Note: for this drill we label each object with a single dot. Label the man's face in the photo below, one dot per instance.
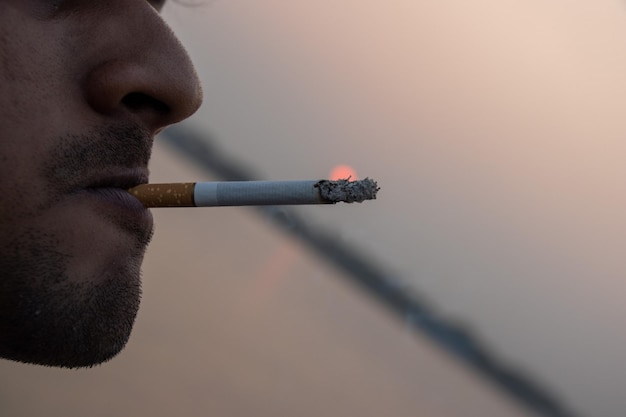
(84, 87)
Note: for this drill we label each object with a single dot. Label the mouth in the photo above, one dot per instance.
(107, 194)
(122, 179)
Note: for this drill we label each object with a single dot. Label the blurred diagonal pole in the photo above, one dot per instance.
(378, 282)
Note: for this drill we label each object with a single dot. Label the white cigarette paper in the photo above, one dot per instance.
(255, 193)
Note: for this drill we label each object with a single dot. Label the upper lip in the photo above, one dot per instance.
(119, 177)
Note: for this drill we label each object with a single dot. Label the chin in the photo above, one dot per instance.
(68, 309)
(78, 326)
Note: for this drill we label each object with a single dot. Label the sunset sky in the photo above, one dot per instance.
(496, 131)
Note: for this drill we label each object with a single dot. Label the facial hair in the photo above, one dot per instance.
(47, 316)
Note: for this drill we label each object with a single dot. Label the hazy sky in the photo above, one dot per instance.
(496, 131)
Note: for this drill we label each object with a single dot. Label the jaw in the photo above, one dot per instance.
(73, 288)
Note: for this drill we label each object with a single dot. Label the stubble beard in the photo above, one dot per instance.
(50, 319)
(47, 315)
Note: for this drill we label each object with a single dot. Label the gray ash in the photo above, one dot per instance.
(348, 191)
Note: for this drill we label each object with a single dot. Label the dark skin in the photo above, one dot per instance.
(85, 85)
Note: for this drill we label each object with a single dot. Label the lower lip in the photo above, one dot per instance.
(119, 203)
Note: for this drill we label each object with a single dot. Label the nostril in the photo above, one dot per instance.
(137, 102)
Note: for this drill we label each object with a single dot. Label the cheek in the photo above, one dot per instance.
(38, 73)
(40, 100)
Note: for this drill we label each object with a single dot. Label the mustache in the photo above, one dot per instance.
(79, 156)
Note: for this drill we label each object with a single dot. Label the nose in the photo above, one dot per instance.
(141, 72)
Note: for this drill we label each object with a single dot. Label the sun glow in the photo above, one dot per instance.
(342, 172)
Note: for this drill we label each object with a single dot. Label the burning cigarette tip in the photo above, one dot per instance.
(348, 191)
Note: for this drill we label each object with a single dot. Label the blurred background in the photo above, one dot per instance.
(495, 129)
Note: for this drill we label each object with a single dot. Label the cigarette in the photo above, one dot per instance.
(255, 193)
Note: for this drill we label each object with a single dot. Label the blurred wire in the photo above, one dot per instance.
(387, 289)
